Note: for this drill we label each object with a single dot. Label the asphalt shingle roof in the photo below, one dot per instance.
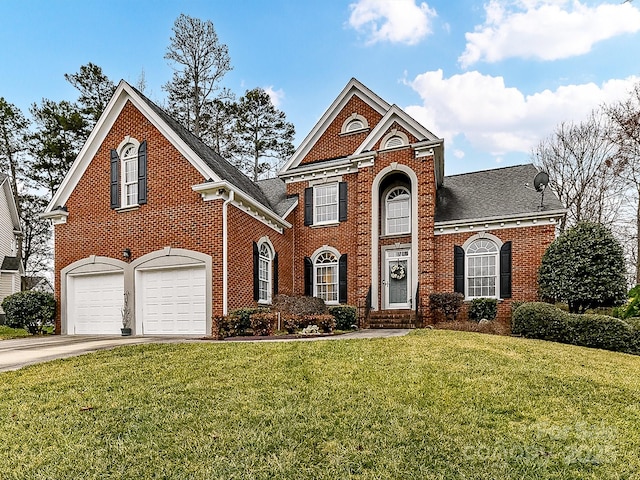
(10, 263)
(276, 192)
(218, 164)
(500, 192)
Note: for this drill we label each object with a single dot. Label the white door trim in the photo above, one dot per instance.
(386, 280)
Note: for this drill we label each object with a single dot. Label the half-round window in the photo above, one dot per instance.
(354, 125)
(398, 211)
(394, 142)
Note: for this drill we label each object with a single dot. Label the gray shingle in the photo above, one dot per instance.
(276, 192)
(10, 264)
(492, 193)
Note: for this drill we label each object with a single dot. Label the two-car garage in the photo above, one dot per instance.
(168, 293)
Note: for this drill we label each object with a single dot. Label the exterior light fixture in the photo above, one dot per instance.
(126, 253)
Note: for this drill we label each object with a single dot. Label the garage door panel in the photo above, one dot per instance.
(173, 301)
(94, 304)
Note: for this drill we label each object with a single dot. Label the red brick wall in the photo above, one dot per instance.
(527, 248)
(174, 216)
(331, 144)
(243, 231)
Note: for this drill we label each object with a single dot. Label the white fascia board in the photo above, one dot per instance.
(551, 217)
(113, 109)
(330, 169)
(57, 217)
(354, 87)
(395, 113)
(11, 203)
(220, 190)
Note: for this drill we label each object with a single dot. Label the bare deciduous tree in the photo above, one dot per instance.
(583, 169)
(201, 61)
(625, 133)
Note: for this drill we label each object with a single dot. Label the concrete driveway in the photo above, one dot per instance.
(20, 352)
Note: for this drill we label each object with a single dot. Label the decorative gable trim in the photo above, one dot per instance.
(354, 87)
(221, 190)
(123, 93)
(334, 168)
(11, 204)
(395, 114)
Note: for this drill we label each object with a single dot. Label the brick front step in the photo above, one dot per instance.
(392, 319)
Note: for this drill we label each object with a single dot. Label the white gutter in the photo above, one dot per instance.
(225, 254)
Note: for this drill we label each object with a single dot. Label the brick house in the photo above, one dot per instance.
(151, 218)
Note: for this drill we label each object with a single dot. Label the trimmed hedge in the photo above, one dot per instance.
(546, 322)
(447, 304)
(483, 309)
(31, 310)
(346, 316)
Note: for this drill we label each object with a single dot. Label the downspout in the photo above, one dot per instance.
(225, 255)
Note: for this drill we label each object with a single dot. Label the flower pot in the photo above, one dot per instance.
(126, 332)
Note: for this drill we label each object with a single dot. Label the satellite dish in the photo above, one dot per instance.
(541, 181)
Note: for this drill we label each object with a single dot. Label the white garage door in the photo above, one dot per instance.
(172, 301)
(94, 304)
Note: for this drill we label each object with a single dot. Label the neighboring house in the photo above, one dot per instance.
(361, 214)
(11, 268)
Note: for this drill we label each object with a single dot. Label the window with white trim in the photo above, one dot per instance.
(325, 203)
(354, 125)
(265, 259)
(482, 268)
(326, 277)
(398, 211)
(129, 172)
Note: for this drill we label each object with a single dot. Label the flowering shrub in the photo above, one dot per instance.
(263, 323)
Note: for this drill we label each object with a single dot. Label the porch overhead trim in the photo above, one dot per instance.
(329, 168)
(220, 191)
(551, 217)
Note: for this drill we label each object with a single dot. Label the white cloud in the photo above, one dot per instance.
(276, 95)
(458, 153)
(498, 119)
(545, 29)
(395, 21)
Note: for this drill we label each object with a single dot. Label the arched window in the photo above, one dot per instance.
(395, 141)
(129, 173)
(354, 123)
(264, 273)
(398, 211)
(326, 277)
(482, 268)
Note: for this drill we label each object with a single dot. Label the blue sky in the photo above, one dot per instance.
(491, 77)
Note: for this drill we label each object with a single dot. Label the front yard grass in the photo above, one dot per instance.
(7, 333)
(432, 405)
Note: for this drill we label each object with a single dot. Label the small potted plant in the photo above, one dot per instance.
(126, 316)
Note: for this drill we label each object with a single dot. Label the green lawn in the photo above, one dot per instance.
(7, 333)
(434, 404)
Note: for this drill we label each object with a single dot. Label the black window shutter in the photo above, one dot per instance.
(256, 266)
(342, 279)
(275, 274)
(308, 206)
(342, 210)
(142, 173)
(458, 269)
(115, 177)
(308, 277)
(505, 270)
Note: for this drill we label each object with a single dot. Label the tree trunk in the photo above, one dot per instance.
(638, 237)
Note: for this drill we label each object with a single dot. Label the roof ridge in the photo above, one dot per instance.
(491, 170)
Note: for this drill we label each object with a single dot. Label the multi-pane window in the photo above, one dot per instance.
(482, 268)
(264, 273)
(398, 210)
(326, 276)
(325, 203)
(129, 159)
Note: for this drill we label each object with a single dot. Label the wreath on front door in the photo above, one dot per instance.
(398, 272)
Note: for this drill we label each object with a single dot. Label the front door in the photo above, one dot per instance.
(396, 278)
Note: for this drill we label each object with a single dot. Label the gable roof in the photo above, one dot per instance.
(396, 114)
(209, 164)
(11, 202)
(353, 87)
(488, 194)
(276, 192)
